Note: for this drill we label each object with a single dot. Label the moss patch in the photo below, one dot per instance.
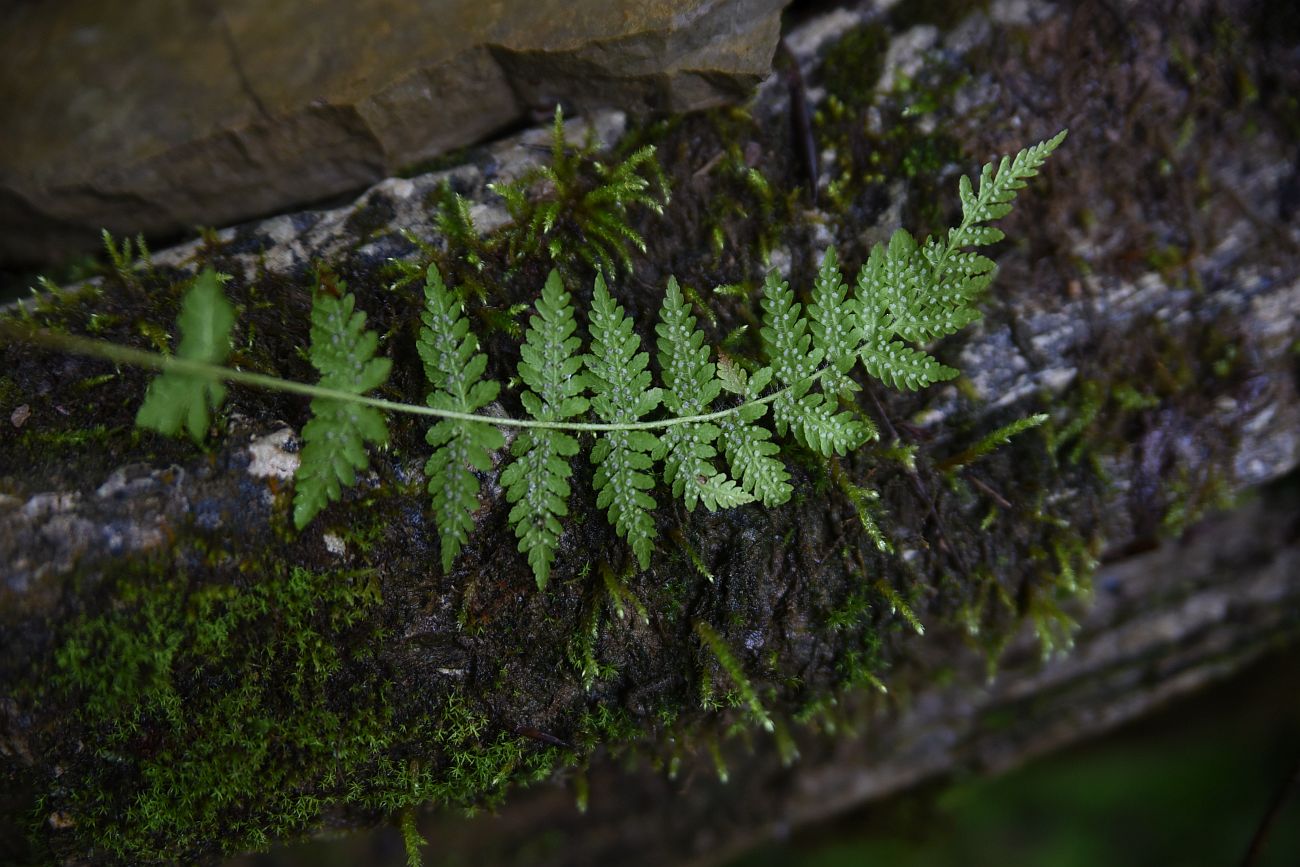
(247, 711)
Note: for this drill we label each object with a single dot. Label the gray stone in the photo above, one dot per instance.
(158, 117)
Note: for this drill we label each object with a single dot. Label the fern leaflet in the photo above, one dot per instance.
(454, 367)
(335, 439)
(834, 325)
(888, 286)
(174, 399)
(748, 447)
(813, 417)
(620, 384)
(537, 483)
(691, 387)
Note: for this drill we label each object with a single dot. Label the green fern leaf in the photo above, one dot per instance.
(748, 446)
(184, 400)
(335, 438)
(789, 350)
(454, 367)
(997, 190)
(621, 393)
(691, 386)
(902, 367)
(537, 483)
(835, 324)
(890, 285)
(814, 419)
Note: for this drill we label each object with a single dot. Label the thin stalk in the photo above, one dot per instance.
(154, 361)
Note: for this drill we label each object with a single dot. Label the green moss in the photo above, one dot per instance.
(852, 66)
(224, 695)
(247, 711)
(1172, 375)
(10, 394)
(74, 439)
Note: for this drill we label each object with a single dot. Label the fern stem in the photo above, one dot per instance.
(155, 361)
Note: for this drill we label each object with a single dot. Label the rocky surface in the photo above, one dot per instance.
(1150, 292)
(157, 118)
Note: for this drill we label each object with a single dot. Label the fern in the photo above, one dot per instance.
(620, 383)
(537, 483)
(176, 399)
(454, 368)
(334, 440)
(906, 295)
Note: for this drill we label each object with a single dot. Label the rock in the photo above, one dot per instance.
(156, 118)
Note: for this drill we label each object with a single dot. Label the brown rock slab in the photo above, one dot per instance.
(156, 117)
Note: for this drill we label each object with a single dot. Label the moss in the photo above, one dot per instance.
(249, 711)
(78, 440)
(852, 66)
(225, 695)
(10, 394)
(1136, 391)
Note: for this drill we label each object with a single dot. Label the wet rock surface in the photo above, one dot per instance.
(157, 118)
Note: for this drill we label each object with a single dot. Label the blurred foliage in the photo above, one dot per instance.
(1188, 787)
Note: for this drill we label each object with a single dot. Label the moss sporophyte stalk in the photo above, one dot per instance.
(247, 708)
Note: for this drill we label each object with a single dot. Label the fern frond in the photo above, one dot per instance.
(537, 483)
(335, 439)
(621, 392)
(183, 400)
(454, 367)
(691, 386)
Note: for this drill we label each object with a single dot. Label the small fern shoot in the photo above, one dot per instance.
(620, 382)
(454, 367)
(582, 211)
(537, 483)
(178, 400)
(335, 439)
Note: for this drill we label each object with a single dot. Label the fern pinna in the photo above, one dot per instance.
(334, 441)
(702, 424)
(454, 367)
(537, 483)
